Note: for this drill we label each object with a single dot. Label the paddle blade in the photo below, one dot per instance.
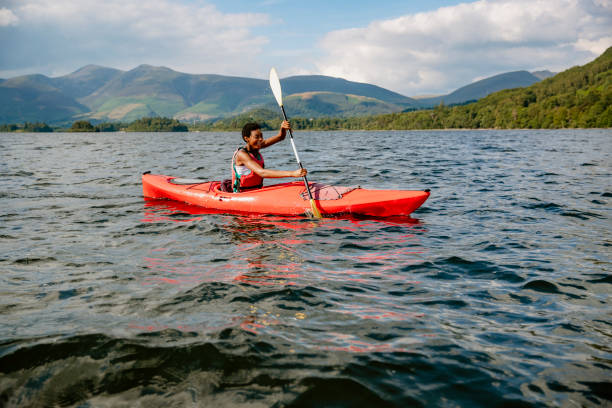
(315, 211)
(276, 88)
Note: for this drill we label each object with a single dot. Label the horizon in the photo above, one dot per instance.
(406, 47)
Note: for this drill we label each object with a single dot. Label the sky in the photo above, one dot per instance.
(410, 47)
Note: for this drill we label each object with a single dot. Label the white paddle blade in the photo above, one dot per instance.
(276, 88)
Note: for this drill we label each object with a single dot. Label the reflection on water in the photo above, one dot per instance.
(267, 248)
(280, 252)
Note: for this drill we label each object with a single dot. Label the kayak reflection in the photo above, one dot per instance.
(279, 250)
(160, 209)
(269, 270)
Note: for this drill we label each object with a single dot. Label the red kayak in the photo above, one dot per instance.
(285, 198)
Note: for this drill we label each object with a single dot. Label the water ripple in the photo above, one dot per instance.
(495, 293)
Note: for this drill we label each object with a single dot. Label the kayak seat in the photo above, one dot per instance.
(226, 186)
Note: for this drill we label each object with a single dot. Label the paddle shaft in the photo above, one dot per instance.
(297, 157)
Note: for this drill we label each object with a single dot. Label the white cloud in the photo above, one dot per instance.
(193, 36)
(440, 50)
(7, 18)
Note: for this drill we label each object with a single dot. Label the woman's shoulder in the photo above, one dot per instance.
(241, 151)
(243, 154)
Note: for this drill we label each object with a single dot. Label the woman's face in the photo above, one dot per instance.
(255, 139)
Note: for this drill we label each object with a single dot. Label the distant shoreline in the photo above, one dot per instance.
(64, 131)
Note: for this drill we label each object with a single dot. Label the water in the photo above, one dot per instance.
(496, 292)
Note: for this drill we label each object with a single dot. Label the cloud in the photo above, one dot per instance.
(441, 50)
(62, 35)
(7, 18)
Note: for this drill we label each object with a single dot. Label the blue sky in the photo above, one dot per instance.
(297, 26)
(411, 47)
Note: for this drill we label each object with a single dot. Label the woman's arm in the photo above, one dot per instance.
(285, 126)
(243, 159)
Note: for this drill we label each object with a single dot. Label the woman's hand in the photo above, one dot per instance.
(300, 173)
(282, 132)
(285, 126)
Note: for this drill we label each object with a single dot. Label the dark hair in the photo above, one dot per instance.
(248, 128)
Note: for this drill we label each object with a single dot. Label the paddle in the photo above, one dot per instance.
(278, 94)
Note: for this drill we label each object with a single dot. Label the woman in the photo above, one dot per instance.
(248, 170)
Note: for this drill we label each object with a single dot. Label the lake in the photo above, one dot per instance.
(496, 292)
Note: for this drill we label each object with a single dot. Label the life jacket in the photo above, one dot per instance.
(242, 177)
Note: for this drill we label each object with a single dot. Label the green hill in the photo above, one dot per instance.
(33, 98)
(313, 104)
(268, 119)
(578, 97)
(164, 92)
(482, 88)
(188, 97)
(320, 83)
(543, 74)
(306, 105)
(84, 81)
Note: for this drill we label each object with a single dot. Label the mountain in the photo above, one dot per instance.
(479, 89)
(333, 104)
(578, 97)
(541, 75)
(105, 94)
(160, 91)
(100, 94)
(34, 98)
(84, 81)
(314, 83)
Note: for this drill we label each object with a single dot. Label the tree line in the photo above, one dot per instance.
(147, 124)
(25, 127)
(155, 124)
